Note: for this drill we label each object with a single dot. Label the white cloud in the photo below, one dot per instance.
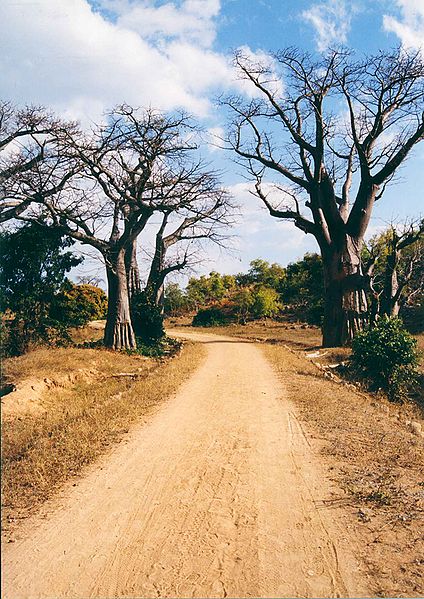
(256, 61)
(410, 27)
(331, 20)
(64, 54)
(261, 235)
(192, 21)
(215, 137)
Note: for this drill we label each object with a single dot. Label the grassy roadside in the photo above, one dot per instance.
(375, 459)
(81, 421)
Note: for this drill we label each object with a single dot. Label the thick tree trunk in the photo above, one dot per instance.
(119, 332)
(133, 273)
(345, 303)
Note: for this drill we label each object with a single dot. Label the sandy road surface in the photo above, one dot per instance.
(218, 495)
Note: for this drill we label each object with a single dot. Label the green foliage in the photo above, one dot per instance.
(209, 289)
(79, 304)
(147, 319)
(211, 317)
(386, 355)
(303, 288)
(243, 301)
(175, 300)
(33, 265)
(259, 293)
(265, 302)
(263, 273)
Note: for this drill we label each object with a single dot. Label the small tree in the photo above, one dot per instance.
(79, 304)
(33, 265)
(265, 302)
(243, 302)
(303, 288)
(175, 300)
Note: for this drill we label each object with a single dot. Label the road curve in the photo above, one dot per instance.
(219, 495)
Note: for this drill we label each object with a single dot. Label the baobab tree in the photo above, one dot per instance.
(334, 165)
(30, 166)
(204, 219)
(135, 165)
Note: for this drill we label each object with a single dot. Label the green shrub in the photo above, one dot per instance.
(265, 302)
(386, 356)
(211, 317)
(77, 305)
(147, 319)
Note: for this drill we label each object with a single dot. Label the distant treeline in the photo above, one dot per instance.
(396, 287)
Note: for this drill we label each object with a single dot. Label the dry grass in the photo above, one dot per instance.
(81, 422)
(372, 455)
(296, 336)
(92, 332)
(50, 362)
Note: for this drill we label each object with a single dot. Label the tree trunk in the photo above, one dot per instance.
(133, 273)
(345, 302)
(160, 298)
(390, 301)
(146, 317)
(119, 332)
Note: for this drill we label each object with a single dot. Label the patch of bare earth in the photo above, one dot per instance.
(219, 495)
(70, 406)
(372, 449)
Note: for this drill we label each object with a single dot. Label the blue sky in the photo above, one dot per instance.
(80, 57)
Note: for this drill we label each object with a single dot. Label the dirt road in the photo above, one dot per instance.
(218, 495)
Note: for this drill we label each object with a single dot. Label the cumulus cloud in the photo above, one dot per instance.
(192, 20)
(261, 235)
(410, 26)
(331, 20)
(80, 60)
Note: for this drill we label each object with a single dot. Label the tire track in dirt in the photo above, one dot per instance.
(218, 495)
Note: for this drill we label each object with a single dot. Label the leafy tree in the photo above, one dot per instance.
(265, 302)
(33, 265)
(264, 273)
(79, 304)
(175, 300)
(209, 289)
(216, 287)
(303, 288)
(243, 301)
(197, 292)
